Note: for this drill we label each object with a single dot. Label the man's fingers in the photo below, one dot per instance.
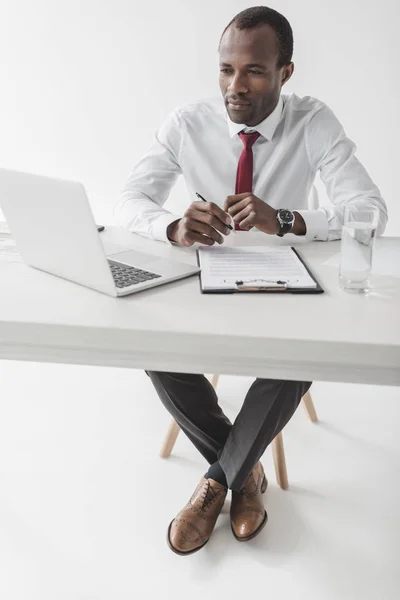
(245, 218)
(238, 207)
(234, 199)
(205, 229)
(213, 209)
(192, 237)
(202, 228)
(208, 219)
(247, 223)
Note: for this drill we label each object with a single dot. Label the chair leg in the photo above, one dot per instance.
(310, 408)
(278, 453)
(214, 381)
(170, 439)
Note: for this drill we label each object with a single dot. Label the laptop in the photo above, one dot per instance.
(54, 230)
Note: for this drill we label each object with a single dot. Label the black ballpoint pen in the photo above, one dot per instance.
(204, 200)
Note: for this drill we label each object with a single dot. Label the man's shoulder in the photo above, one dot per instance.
(304, 104)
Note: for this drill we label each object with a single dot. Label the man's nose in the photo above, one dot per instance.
(238, 85)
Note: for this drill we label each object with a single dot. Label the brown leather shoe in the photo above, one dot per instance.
(248, 515)
(192, 527)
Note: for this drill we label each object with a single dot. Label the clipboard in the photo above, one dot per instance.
(279, 286)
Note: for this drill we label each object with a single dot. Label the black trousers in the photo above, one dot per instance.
(192, 401)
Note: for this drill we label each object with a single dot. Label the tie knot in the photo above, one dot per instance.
(248, 139)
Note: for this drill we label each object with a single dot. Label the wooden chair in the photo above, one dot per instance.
(278, 451)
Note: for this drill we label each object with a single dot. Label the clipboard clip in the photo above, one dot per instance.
(255, 285)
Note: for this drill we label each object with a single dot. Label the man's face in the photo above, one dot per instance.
(250, 80)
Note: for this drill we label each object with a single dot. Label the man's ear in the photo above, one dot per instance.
(287, 72)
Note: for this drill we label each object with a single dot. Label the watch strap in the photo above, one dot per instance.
(285, 228)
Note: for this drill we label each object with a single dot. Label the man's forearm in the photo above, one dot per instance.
(143, 216)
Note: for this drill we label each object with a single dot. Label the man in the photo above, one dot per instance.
(267, 148)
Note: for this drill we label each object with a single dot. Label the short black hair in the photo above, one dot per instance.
(259, 15)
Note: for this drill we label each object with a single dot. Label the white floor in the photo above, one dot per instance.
(85, 500)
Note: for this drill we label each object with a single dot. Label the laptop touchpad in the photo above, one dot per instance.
(161, 266)
(138, 259)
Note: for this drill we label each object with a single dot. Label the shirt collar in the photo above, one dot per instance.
(266, 128)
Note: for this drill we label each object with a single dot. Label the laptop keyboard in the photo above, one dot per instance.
(125, 275)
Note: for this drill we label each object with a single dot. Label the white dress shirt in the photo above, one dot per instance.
(300, 137)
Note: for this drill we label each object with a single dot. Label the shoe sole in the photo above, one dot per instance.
(180, 551)
(263, 524)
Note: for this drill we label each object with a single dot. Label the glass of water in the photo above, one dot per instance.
(358, 238)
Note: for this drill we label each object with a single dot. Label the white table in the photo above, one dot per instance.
(334, 336)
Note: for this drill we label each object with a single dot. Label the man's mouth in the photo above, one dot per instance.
(237, 105)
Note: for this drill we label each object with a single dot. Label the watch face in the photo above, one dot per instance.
(286, 215)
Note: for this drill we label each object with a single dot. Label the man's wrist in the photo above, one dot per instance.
(171, 231)
(299, 225)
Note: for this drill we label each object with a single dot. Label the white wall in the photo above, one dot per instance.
(85, 83)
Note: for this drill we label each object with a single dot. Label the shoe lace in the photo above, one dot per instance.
(208, 496)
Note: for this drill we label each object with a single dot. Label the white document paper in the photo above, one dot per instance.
(258, 266)
(9, 251)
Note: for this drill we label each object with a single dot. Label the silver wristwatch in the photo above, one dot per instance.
(285, 219)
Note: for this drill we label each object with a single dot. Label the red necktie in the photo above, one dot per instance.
(244, 174)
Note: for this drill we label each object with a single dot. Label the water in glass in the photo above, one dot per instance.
(356, 255)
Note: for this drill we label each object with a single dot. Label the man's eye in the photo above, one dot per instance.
(226, 70)
(255, 72)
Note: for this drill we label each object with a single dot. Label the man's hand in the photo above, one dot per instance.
(249, 211)
(201, 223)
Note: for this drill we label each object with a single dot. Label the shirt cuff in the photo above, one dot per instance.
(316, 224)
(159, 229)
